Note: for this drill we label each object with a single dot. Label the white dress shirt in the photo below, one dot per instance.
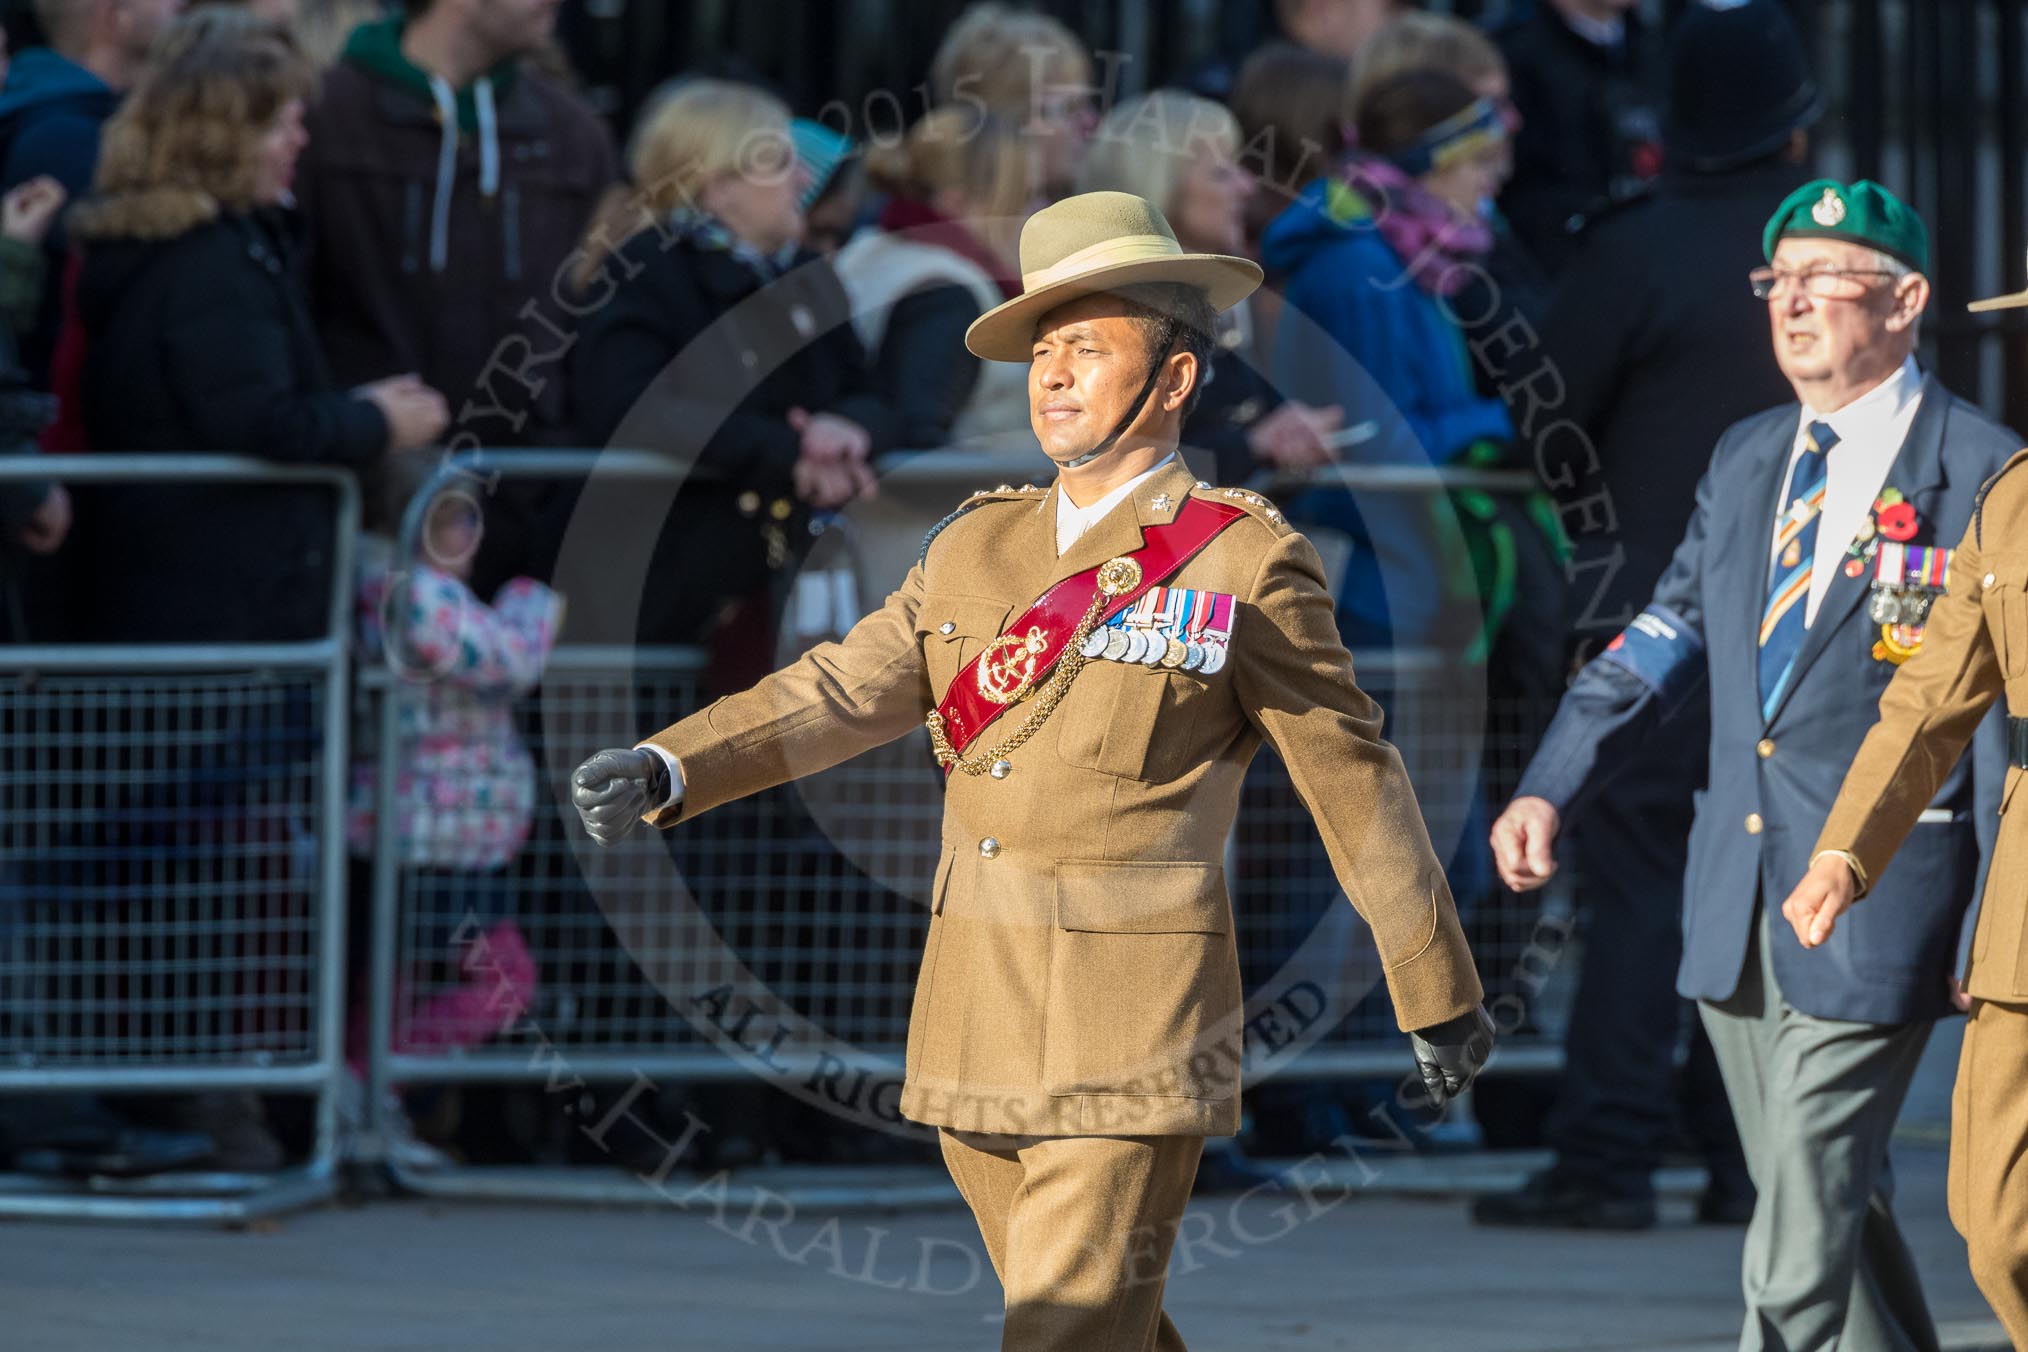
(1871, 430)
(1073, 520)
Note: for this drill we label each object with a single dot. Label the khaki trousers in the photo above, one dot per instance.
(1989, 1158)
(1079, 1230)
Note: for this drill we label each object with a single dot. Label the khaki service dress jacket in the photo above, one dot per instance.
(1079, 976)
(1974, 650)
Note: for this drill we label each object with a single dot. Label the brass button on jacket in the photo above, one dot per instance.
(1764, 748)
(1754, 823)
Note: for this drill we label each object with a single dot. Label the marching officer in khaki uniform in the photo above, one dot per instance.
(1096, 663)
(1976, 650)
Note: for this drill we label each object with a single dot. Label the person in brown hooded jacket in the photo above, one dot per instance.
(446, 187)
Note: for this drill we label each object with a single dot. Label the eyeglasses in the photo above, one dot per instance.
(1823, 283)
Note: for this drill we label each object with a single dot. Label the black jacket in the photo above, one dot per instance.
(684, 352)
(51, 112)
(924, 370)
(1590, 126)
(1661, 347)
(203, 342)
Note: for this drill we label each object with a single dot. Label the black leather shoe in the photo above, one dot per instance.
(1558, 1202)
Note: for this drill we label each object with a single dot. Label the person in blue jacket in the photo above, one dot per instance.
(57, 98)
(1372, 254)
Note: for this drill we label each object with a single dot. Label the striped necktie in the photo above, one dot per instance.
(1788, 595)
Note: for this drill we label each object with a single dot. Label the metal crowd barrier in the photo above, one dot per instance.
(171, 869)
(790, 944)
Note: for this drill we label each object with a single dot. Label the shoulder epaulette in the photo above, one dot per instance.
(1979, 503)
(1253, 503)
(979, 499)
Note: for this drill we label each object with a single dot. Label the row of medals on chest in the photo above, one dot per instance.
(1149, 636)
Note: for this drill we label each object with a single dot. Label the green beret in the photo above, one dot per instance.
(1863, 212)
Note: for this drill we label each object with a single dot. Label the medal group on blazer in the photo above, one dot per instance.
(1906, 578)
(1179, 628)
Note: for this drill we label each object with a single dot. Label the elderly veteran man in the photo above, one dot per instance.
(1818, 540)
(1096, 662)
(1974, 651)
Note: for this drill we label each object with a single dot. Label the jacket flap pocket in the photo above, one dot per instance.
(955, 617)
(1141, 897)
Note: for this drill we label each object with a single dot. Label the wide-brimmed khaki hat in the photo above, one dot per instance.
(2013, 300)
(1099, 241)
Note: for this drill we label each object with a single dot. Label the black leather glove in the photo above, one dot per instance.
(612, 789)
(1450, 1054)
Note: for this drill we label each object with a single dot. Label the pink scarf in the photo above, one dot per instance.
(1429, 237)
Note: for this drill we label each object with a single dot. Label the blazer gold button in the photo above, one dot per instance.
(1988, 580)
(990, 848)
(1764, 748)
(1753, 823)
(946, 627)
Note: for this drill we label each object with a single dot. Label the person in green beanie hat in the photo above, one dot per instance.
(447, 182)
(1822, 537)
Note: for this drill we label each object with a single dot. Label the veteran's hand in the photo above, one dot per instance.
(1524, 843)
(614, 788)
(1451, 1054)
(1826, 892)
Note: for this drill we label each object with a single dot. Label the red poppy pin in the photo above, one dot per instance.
(1892, 518)
(1897, 521)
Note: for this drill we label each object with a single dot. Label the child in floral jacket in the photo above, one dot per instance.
(465, 790)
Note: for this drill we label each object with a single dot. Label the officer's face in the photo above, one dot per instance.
(1852, 328)
(1088, 364)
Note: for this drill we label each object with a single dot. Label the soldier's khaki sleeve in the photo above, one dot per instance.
(1927, 714)
(1294, 678)
(835, 701)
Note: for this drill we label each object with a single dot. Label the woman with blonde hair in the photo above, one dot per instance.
(1031, 70)
(1178, 151)
(197, 337)
(709, 334)
(944, 252)
(1415, 40)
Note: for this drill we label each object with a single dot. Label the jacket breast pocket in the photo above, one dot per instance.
(1143, 993)
(1137, 722)
(953, 630)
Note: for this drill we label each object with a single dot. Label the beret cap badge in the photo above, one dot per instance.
(1829, 210)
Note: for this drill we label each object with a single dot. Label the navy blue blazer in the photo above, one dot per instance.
(1772, 780)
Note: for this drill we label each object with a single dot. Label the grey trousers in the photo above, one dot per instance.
(1824, 1266)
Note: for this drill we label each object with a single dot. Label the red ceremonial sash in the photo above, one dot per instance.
(1165, 548)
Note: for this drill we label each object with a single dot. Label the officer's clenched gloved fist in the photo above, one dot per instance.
(612, 789)
(1450, 1053)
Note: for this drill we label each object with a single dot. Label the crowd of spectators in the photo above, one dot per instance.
(339, 233)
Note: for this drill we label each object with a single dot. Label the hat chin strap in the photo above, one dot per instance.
(1120, 429)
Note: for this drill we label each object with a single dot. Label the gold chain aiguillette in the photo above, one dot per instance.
(1115, 576)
